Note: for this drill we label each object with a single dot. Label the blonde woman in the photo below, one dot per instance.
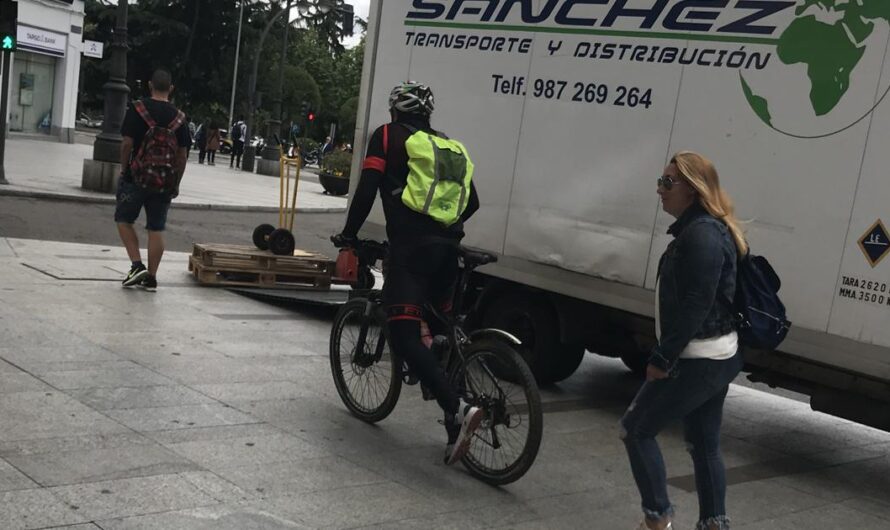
(696, 356)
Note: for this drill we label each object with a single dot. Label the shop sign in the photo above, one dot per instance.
(42, 41)
(92, 48)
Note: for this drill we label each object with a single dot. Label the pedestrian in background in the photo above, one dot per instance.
(156, 121)
(192, 131)
(239, 133)
(697, 353)
(213, 142)
(201, 140)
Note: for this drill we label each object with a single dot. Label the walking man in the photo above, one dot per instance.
(154, 151)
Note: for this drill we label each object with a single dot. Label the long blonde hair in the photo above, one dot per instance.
(701, 174)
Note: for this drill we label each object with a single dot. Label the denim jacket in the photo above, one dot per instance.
(697, 276)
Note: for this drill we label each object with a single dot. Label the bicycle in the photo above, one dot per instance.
(483, 364)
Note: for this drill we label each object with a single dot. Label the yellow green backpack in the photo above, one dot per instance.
(439, 176)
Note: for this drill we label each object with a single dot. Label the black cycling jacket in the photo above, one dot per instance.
(386, 169)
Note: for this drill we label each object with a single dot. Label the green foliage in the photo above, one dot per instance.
(196, 40)
(337, 163)
(306, 145)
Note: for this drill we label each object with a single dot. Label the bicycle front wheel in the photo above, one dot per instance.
(365, 373)
(495, 377)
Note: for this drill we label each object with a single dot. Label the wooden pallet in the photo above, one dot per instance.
(239, 265)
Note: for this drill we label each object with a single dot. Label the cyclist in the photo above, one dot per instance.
(423, 260)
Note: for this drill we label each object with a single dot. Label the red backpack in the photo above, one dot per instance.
(152, 167)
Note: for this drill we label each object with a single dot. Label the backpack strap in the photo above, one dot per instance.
(139, 106)
(177, 121)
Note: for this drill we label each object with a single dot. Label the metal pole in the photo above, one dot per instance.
(108, 142)
(273, 125)
(235, 72)
(251, 92)
(4, 104)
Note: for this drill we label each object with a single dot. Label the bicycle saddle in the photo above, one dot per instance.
(475, 258)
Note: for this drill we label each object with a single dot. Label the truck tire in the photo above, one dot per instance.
(533, 320)
(635, 361)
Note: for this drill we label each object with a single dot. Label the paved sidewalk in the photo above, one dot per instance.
(196, 408)
(51, 169)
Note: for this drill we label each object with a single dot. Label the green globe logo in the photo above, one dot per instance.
(833, 50)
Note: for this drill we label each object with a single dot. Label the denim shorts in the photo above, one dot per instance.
(131, 198)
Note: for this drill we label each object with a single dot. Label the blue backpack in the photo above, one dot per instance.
(761, 315)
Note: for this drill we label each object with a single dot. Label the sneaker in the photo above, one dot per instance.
(460, 432)
(644, 526)
(149, 283)
(137, 272)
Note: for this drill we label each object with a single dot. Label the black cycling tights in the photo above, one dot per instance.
(405, 336)
(417, 274)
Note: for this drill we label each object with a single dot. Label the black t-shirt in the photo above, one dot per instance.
(161, 112)
(385, 170)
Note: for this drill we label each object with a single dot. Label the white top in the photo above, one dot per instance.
(715, 348)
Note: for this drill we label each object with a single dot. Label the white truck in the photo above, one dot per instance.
(570, 110)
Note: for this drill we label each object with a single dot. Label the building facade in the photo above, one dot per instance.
(43, 86)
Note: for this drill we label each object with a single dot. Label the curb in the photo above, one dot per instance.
(47, 195)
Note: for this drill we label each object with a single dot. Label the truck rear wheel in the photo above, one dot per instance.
(533, 320)
(635, 361)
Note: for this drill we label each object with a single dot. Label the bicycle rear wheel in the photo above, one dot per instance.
(494, 376)
(366, 376)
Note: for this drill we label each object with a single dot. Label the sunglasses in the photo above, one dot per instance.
(667, 182)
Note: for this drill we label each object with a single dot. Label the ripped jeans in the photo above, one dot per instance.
(696, 394)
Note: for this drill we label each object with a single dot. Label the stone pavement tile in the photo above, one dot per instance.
(240, 392)
(114, 375)
(144, 495)
(29, 415)
(37, 508)
(71, 444)
(12, 479)
(136, 460)
(305, 413)
(246, 516)
(139, 397)
(21, 382)
(220, 370)
(829, 516)
(87, 526)
(878, 507)
(450, 488)
(249, 450)
(297, 477)
(179, 417)
(7, 368)
(40, 368)
(766, 499)
(26, 357)
(210, 434)
(354, 506)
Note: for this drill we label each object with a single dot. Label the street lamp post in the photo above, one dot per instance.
(305, 7)
(100, 173)
(273, 124)
(235, 70)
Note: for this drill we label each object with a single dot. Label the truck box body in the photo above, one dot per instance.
(571, 109)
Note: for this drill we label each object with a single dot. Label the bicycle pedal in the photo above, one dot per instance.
(410, 379)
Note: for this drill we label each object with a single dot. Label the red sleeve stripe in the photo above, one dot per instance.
(386, 139)
(375, 162)
(404, 317)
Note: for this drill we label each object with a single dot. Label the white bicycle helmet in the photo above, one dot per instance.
(412, 98)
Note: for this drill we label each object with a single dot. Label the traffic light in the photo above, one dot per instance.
(9, 14)
(305, 108)
(348, 13)
(311, 116)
